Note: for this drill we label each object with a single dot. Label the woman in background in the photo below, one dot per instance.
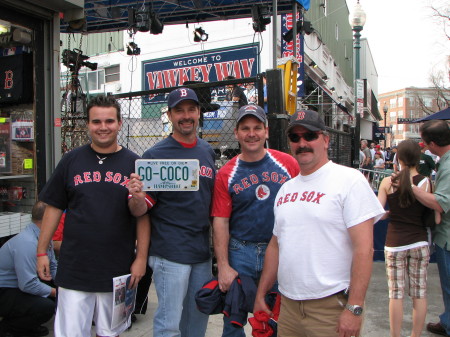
(406, 249)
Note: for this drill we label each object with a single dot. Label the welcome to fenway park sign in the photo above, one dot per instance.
(207, 66)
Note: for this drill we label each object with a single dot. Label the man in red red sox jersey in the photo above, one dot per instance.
(244, 194)
(322, 241)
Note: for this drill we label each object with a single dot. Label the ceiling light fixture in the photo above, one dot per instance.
(133, 49)
(156, 26)
(261, 18)
(302, 27)
(200, 35)
(4, 27)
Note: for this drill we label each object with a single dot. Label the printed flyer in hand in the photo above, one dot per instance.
(124, 300)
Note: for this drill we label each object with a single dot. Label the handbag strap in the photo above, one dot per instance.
(429, 186)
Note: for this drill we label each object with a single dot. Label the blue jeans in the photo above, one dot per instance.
(247, 258)
(443, 262)
(176, 284)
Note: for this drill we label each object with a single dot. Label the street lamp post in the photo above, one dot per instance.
(357, 20)
(385, 110)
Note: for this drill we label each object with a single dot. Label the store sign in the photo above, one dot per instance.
(207, 66)
(168, 174)
(405, 120)
(378, 134)
(22, 130)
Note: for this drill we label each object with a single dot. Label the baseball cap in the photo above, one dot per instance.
(181, 94)
(422, 145)
(378, 146)
(251, 110)
(309, 119)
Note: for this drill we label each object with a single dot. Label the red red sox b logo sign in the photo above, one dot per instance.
(9, 79)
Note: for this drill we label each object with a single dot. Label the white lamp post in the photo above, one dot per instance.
(357, 20)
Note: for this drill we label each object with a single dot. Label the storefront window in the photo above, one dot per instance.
(17, 132)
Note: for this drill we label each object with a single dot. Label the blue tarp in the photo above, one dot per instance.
(304, 3)
(443, 114)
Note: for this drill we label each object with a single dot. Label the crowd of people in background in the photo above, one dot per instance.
(385, 158)
(298, 226)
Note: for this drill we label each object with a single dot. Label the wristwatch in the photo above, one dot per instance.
(354, 309)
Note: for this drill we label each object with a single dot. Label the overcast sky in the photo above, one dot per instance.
(406, 41)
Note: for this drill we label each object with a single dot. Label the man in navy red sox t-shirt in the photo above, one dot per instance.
(244, 195)
(179, 252)
(102, 239)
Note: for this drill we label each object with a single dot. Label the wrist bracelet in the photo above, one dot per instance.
(42, 254)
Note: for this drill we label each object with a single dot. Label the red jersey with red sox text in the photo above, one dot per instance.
(245, 192)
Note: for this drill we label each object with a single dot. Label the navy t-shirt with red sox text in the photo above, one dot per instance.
(180, 219)
(99, 230)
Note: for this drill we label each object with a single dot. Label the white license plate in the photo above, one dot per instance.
(168, 174)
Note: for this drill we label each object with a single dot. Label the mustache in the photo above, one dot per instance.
(187, 120)
(303, 150)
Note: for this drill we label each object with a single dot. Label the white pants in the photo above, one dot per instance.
(77, 309)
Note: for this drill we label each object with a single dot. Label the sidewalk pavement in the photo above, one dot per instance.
(376, 322)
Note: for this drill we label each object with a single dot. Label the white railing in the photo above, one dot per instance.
(376, 176)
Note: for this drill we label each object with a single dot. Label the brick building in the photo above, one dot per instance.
(406, 105)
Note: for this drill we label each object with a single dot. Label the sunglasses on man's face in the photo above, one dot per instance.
(307, 136)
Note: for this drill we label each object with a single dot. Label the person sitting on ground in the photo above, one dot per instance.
(25, 301)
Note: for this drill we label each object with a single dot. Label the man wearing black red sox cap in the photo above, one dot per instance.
(244, 193)
(322, 239)
(179, 252)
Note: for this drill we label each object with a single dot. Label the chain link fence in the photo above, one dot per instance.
(340, 148)
(145, 121)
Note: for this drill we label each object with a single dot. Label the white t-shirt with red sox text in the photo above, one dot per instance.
(312, 217)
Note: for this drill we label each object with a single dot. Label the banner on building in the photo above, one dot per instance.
(287, 49)
(207, 66)
(360, 97)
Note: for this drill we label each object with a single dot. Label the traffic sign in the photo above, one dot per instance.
(384, 129)
(405, 120)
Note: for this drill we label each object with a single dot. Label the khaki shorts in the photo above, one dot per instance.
(77, 309)
(310, 318)
(411, 263)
